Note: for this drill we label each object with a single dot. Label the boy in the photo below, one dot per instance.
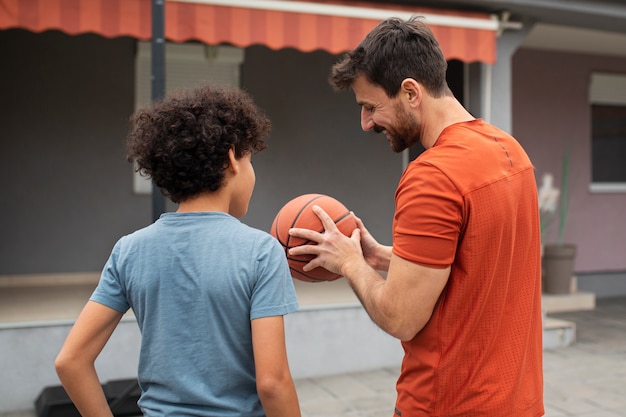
(209, 293)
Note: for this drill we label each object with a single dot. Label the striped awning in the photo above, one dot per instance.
(334, 26)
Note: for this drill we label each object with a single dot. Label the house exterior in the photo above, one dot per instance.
(69, 81)
(68, 93)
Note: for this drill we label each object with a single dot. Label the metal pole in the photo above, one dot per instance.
(157, 79)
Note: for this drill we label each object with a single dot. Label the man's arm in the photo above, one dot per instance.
(273, 377)
(75, 362)
(400, 304)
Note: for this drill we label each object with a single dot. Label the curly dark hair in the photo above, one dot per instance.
(182, 142)
(394, 50)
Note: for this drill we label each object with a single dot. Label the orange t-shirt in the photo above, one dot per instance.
(470, 202)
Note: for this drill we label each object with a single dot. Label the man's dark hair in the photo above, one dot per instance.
(182, 142)
(394, 50)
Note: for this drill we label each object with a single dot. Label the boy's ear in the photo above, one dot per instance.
(233, 164)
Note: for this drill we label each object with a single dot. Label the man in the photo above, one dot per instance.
(462, 289)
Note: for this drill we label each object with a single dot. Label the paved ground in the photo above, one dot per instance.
(587, 379)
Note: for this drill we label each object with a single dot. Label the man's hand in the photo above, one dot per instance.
(376, 255)
(333, 250)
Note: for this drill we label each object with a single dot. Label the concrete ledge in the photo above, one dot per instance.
(560, 303)
(28, 354)
(337, 339)
(22, 302)
(320, 341)
(46, 280)
(558, 333)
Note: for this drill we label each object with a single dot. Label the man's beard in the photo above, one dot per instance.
(405, 134)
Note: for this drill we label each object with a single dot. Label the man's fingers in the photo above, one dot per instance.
(327, 221)
(305, 234)
(312, 235)
(307, 249)
(318, 239)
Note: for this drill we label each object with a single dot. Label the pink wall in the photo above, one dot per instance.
(550, 112)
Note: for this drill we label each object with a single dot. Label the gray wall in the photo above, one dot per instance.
(317, 145)
(66, 186)
(67, 189)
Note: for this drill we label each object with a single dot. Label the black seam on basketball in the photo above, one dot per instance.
(303, 208)
(342, 217)
(302, 261)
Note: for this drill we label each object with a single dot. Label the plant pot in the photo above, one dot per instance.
(558, 268)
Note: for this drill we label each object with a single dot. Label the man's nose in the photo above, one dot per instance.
(366, 120)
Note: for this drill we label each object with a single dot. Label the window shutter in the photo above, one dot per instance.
(186, 65)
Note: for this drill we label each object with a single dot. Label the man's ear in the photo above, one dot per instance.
(412, 91)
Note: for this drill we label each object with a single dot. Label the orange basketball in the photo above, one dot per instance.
(298, 213)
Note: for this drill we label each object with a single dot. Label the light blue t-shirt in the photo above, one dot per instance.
(194, 282)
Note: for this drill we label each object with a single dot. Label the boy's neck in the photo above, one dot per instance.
(213, 201)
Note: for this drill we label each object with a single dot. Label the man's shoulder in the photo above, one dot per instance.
(471, 155)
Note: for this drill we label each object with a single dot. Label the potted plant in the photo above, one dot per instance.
(557, 258)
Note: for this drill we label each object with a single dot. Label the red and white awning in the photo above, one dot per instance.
(334, 26)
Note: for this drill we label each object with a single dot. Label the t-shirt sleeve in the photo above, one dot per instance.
(428, 217)
(274, 293)
(110, 291)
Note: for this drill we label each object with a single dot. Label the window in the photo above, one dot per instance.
(186, 65)
(608, 132)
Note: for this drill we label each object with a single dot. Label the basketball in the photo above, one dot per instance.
(298, 213)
